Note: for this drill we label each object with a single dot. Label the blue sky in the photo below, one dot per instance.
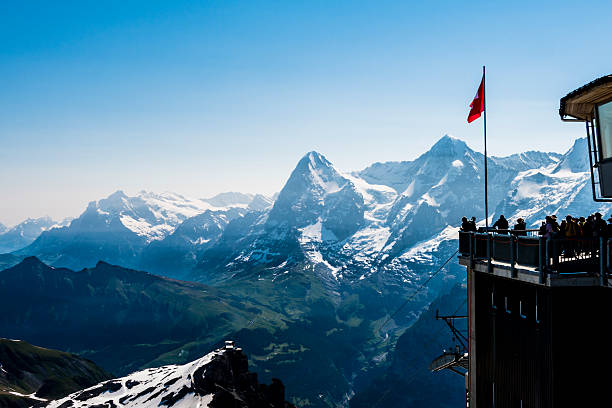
(204, 97)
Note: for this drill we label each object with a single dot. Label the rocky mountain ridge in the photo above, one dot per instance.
(119, 228)
(220, 379)
(351, 226)
(369, 224)
(24, 233)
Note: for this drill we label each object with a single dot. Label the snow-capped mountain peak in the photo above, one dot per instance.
(313, 180)
(217, 380)
(449, 145)
(119, 227)
(576, 159)
(24, 233)
(230, 199)
(153, 216)
(317, 170)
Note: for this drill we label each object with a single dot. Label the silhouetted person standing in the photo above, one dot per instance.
(473, 224)
(600, 228)
(501, 223)
(520, 227)
(465, 225)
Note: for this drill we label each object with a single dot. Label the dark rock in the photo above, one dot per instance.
(109, 386)
(172, 381)
(145, 392)
(172, 398)
(227, 376)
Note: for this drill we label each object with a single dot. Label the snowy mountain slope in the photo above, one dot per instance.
(219, 379)
(148, 215)
(180, 251)
(353, 225)
(317, 204)
(117, 228)
(260, 202)
(350, 225)
(24, 233)
(562, 188)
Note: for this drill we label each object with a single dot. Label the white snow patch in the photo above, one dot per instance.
(528, 189)
(316, 233)
(31, 396)
(429, 200)
(423, 250)
(152, 377)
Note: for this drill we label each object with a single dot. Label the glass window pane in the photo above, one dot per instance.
(604, 114)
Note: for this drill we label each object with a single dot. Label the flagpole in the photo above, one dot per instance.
(484, 91)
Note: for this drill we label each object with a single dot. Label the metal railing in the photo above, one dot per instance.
(546, 255)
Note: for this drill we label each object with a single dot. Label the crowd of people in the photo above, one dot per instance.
(593, 226)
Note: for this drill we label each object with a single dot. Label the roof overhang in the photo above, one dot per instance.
(580, 104)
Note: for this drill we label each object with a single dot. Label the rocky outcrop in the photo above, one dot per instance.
(220, 379)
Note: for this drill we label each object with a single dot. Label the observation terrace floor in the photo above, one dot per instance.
(580, 276)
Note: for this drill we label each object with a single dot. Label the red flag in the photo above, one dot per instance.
(478, 104)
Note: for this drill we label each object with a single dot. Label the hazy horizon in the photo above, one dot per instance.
(63, 214)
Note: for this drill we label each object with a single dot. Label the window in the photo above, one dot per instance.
(493, 299)
(604, 124)
(523, 316)
(506, 305)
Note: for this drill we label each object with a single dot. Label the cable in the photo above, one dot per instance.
(415, 372)
(417, 291)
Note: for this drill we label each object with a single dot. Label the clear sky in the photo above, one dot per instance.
(211, 96)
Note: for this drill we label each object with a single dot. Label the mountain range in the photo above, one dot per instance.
(306, 280)
(24, 233)
(351, 226)
(121, 229)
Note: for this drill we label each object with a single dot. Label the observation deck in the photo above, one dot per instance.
(542, 261)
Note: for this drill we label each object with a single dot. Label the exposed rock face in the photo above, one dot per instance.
(220, 379)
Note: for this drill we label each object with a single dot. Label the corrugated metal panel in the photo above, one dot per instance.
(514, 361)
(542, 346)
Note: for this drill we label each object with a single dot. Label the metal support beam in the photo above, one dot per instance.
(489, 255)
(542, 252)
(603, 281)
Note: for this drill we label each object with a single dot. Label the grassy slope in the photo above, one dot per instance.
(407, 382)
(50, 374)
(120, 318)
(291, 326)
